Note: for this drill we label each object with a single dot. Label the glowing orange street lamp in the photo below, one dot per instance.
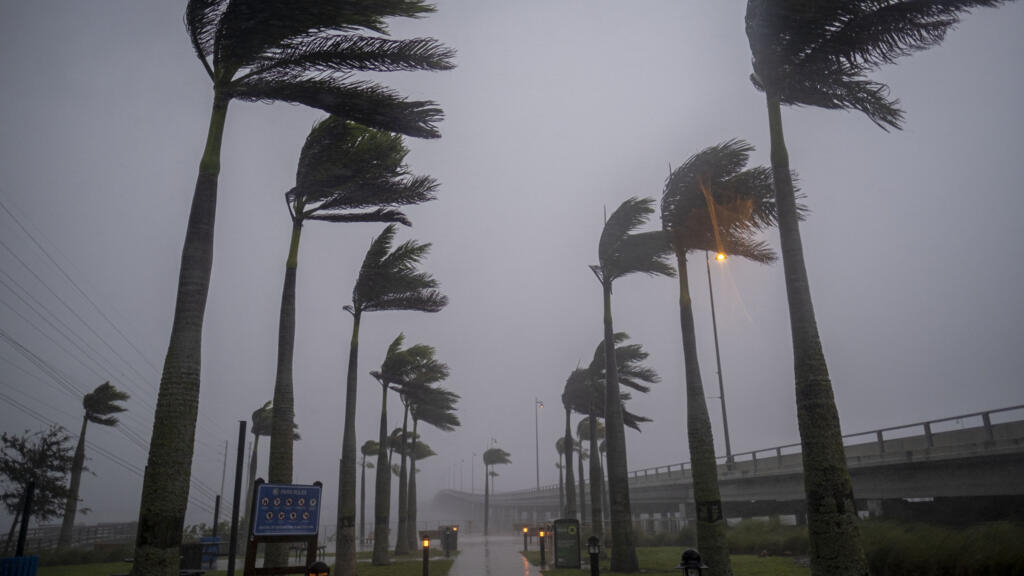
(525, 535)
(721, 257)
(426, 555)
(542, 562)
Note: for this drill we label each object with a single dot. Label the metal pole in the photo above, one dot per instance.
(216, 514)
(26, 513)
(233, 545)
(472, 474)
(718, 362)
(537, 405)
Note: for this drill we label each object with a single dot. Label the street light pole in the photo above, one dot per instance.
(537, 405)
(718, 358)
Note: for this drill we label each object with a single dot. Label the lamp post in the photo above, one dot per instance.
(426, 555)
(720, 257)
(537, 405)
(543, 563)
(594, 548)
(526, 533)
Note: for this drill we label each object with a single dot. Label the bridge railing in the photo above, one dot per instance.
(754, 458)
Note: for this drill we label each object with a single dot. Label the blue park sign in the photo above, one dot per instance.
(286, 510)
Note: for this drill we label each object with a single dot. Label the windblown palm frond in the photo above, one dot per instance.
(102, 403)
(629, 360)
(435, 406)
(621, 251)
(820, 53)
(388, 280)
(712, 203)
(494, 456)
(369, 448)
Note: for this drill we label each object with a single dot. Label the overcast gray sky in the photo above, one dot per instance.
(914, 246)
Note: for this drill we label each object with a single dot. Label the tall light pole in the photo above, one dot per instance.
(718, 358)
(472, 474)
(537, 405)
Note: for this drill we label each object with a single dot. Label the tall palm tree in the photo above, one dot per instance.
(303, 52)
(346, 173)
(369, 448)
(560, 449)
(568, 446)
(492, 456)
(589, 430)
(435, 406)
(402, 369)
(388, 280)
(821, 54)
(621, 252)
(100, 406)
(711, 203)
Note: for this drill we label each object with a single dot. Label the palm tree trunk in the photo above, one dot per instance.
(710, 520)
(169, 465)
(14, 524)
(487, 500)
(570, 480)
(71, 504)
(604, 490)
(345, 543)
(831, 514)
(402, 541)
(282, 428)
(411, 533)
(582, 482)
(561, 488)
(382, 497)
(595, 480)
(623, 547)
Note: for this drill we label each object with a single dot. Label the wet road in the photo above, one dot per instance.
(491, 556)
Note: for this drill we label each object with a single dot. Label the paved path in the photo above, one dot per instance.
(491, 556)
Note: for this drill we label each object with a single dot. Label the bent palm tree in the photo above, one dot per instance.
(571, 384)
(369, 448)
(100, 405)
(820, 54)
(346, 173)
(560, 449)
(301, 52)
(388, 280)
(712, 203)
(402, 369)
(492, 457)
(622, 252)
(434, 406)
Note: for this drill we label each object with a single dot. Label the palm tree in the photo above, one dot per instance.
(435, 406)
(262, 425)
(369, 448)
(388, 280)
(100, 405)
(622, 252)
(492, 456)
(560, 448)
(402, 369)
(712, 203)
(303, 52)
(568, 447)
(820, 54)
(589, 430)
(346, 173)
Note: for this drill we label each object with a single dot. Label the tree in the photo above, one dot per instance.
(568, 446)
(621, 252)
(711, 203)
(820, 54)
(435, 406)
(388, 280)
(43, 458)
(492, 456)
(402, 369)
(99, 405)
(560, 448)
(302, 52)
(346, 173)
(369, 448)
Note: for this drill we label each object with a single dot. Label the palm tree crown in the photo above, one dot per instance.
(306, 52)
(622, 251)
(389, 280)
(102, 403)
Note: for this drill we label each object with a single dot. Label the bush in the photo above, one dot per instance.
(101, 553)
(768, 536)
(982, 550)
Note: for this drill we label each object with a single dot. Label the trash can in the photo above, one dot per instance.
(192, 556)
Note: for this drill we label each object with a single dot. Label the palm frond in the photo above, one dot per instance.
(495, 455)
(378, 215)
(345, 52)
(364, 102)
(629, 216)
(390, 280)
(102, 403)
(201, 19)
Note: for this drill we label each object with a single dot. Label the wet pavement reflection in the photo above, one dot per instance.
(491, 556)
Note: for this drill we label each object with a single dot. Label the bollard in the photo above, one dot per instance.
(426, 556)
(542, 562)
(690, 564)
(594, 548)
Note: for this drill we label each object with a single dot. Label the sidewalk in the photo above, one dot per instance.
(491, 556)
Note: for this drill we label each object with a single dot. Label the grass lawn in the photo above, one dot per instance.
(438, 567)
(664, 561)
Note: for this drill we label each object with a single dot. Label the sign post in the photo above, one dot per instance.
(283, 513)
(567, 543)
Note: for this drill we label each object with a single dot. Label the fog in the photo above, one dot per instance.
(556, 112)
